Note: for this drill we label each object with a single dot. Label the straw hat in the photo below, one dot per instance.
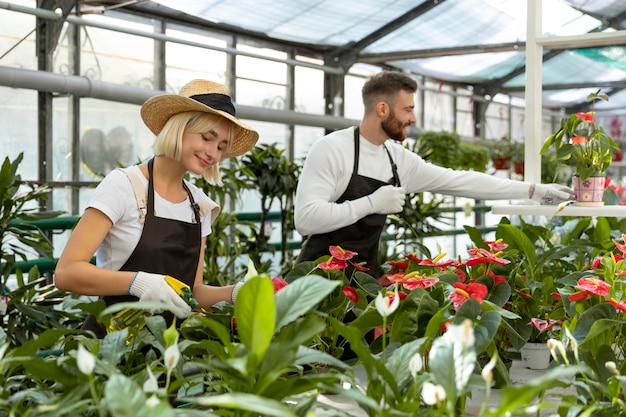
(204, 96)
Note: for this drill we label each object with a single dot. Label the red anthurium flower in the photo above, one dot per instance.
(350, 293)
(398, 264)
(543, 325)
(435, 262)
(621, 274)
(556, 295)
(360, 266)
(481, 256)
(595, 286)
(396, 278)
(384, 281)
(333, 264)
(579, 296)
(596, 263)
(462, 275)
(497, 245)
(279, 283)
(411, 257)
(463, 292)
(579, 140)
(419, 282)
(621, 246)
(619, 305)
(587, 117)
(342, 254)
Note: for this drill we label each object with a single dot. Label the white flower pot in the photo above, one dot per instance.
(535, 355)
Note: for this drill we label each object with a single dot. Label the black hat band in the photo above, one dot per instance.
(216, 101)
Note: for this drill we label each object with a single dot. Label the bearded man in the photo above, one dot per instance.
(353, 178)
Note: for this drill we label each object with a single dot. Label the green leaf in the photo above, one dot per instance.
(515, 237)
(123, 397)
(245, 402)
(588, 319)
(255, 312)
(301, 296)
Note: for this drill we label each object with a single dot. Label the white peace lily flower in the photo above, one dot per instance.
(172, 355)
(85, 360)
(432, 394)
(612, 367)
(462, 333)
(152, 402)
(415, 364)
(251, 271)
(487, 372)
(555, 345)
(384, 307)
(151, 385)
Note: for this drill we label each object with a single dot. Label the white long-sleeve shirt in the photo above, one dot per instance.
(328, 168)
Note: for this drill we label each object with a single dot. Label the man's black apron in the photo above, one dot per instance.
(166, 246)
(363, 236)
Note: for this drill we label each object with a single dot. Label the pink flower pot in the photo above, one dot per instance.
(588, 192)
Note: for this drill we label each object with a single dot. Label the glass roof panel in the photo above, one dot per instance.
(322, 22)
(466, 68)
(453, 24)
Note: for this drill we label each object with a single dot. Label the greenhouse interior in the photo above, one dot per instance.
(482, 279)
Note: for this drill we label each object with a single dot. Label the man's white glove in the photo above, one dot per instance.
(153, 287)
(387, 199)
(550, 194)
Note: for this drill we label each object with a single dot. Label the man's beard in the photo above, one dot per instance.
(394, 128)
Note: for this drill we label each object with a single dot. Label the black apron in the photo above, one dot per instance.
(166, 246)
(363, 236)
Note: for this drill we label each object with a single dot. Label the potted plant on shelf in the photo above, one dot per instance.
(585, 145)
(500, 152)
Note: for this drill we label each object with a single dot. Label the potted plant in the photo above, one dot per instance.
(535, 353)
(499, 152)
(517, 157)
(584, 144)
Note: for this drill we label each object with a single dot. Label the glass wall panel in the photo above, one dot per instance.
(185, 62)
(438, 108)
(309, 91)
(497, 121)
(260, 69)
(17, 38)
(465, 114)
(116, 57)
(18, 128)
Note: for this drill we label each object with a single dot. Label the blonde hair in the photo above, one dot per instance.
(169, 142)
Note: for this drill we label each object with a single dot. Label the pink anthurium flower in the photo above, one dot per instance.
(338, 252)
(595, 286)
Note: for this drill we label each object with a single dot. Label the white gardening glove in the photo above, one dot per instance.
(551, 194)
(153, 287)
(387, 199)
(235, 291)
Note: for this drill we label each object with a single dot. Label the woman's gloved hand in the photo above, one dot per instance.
(154, 287)
(550, 194)
(387, 199)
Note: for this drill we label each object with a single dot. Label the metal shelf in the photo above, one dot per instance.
(570, 210)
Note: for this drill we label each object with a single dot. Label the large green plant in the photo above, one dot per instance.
(268, 170)
(19, 202)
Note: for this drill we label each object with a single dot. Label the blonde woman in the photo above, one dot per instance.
(145, 221)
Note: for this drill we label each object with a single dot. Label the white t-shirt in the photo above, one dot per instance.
(115, 197)
(328, 168)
